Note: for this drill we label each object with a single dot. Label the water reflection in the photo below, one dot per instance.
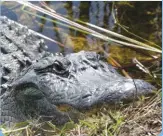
(142, 18)
(137, 17)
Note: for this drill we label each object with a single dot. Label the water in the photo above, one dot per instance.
(141, 18)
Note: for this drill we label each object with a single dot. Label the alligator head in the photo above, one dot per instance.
(80, 80)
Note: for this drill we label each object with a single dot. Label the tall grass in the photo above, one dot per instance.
(94, 33)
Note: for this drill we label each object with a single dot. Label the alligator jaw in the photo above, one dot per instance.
(115, 92)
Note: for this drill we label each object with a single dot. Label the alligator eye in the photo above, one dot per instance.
(58, 67)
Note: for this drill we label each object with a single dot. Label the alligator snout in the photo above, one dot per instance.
(125, 89)
(115, 91)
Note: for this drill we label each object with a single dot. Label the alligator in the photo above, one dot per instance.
(35, 82)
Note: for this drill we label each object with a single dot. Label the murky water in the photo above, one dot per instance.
(140, 18)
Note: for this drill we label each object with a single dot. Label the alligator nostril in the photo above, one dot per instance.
(85, 96)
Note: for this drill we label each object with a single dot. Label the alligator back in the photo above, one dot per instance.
(19, 48)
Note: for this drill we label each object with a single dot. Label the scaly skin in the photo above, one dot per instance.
(79, 80)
